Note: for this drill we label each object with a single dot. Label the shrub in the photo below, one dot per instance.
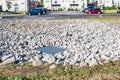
(108, 8)
(59, 9)
(118, 7)
(69, 9)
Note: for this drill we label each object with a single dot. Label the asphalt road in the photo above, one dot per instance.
(58, 15)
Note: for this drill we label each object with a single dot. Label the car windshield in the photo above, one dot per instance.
(90, 7)
(39, 8)
(86, 8)
(97, 8)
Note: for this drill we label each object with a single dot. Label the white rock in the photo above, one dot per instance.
(9, 60)
(59, 55)
(48, 58)
(83, 64)
(4, 57)
(92, 62)
(52, 66)
(37, 63)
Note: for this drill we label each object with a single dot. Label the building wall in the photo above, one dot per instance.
(3, 3)
(17, 5)
(116, 3)
(47, 4)
(108, 3)
(103, 2)
(65, 4)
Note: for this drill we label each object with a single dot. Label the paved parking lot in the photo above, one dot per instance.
(67, 13)
(57, 15)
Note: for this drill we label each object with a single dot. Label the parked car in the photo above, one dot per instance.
(36, 11)
(93, 11)
(45, 10)
(49, 10)
(87, 8)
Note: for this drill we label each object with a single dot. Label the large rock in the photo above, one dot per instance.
(8, 60)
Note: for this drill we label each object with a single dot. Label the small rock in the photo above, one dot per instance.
(52, 66)
(37, 63)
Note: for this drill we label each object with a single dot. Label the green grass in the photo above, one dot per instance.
(103, 17)
(4, 15)
(109, 11)
(107, 71)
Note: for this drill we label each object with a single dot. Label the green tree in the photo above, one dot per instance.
(83, 5)
(88, 1)
(42, 3)
(9, 5)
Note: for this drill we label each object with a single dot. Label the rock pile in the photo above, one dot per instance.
(87, 42)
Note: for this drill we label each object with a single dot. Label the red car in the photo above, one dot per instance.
(93, 11)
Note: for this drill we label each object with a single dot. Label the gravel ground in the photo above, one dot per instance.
(87, 42)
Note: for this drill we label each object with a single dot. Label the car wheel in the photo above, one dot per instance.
(41, 13)
(29, 14)
(89, 13)
(99, 12)
(45, 11)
